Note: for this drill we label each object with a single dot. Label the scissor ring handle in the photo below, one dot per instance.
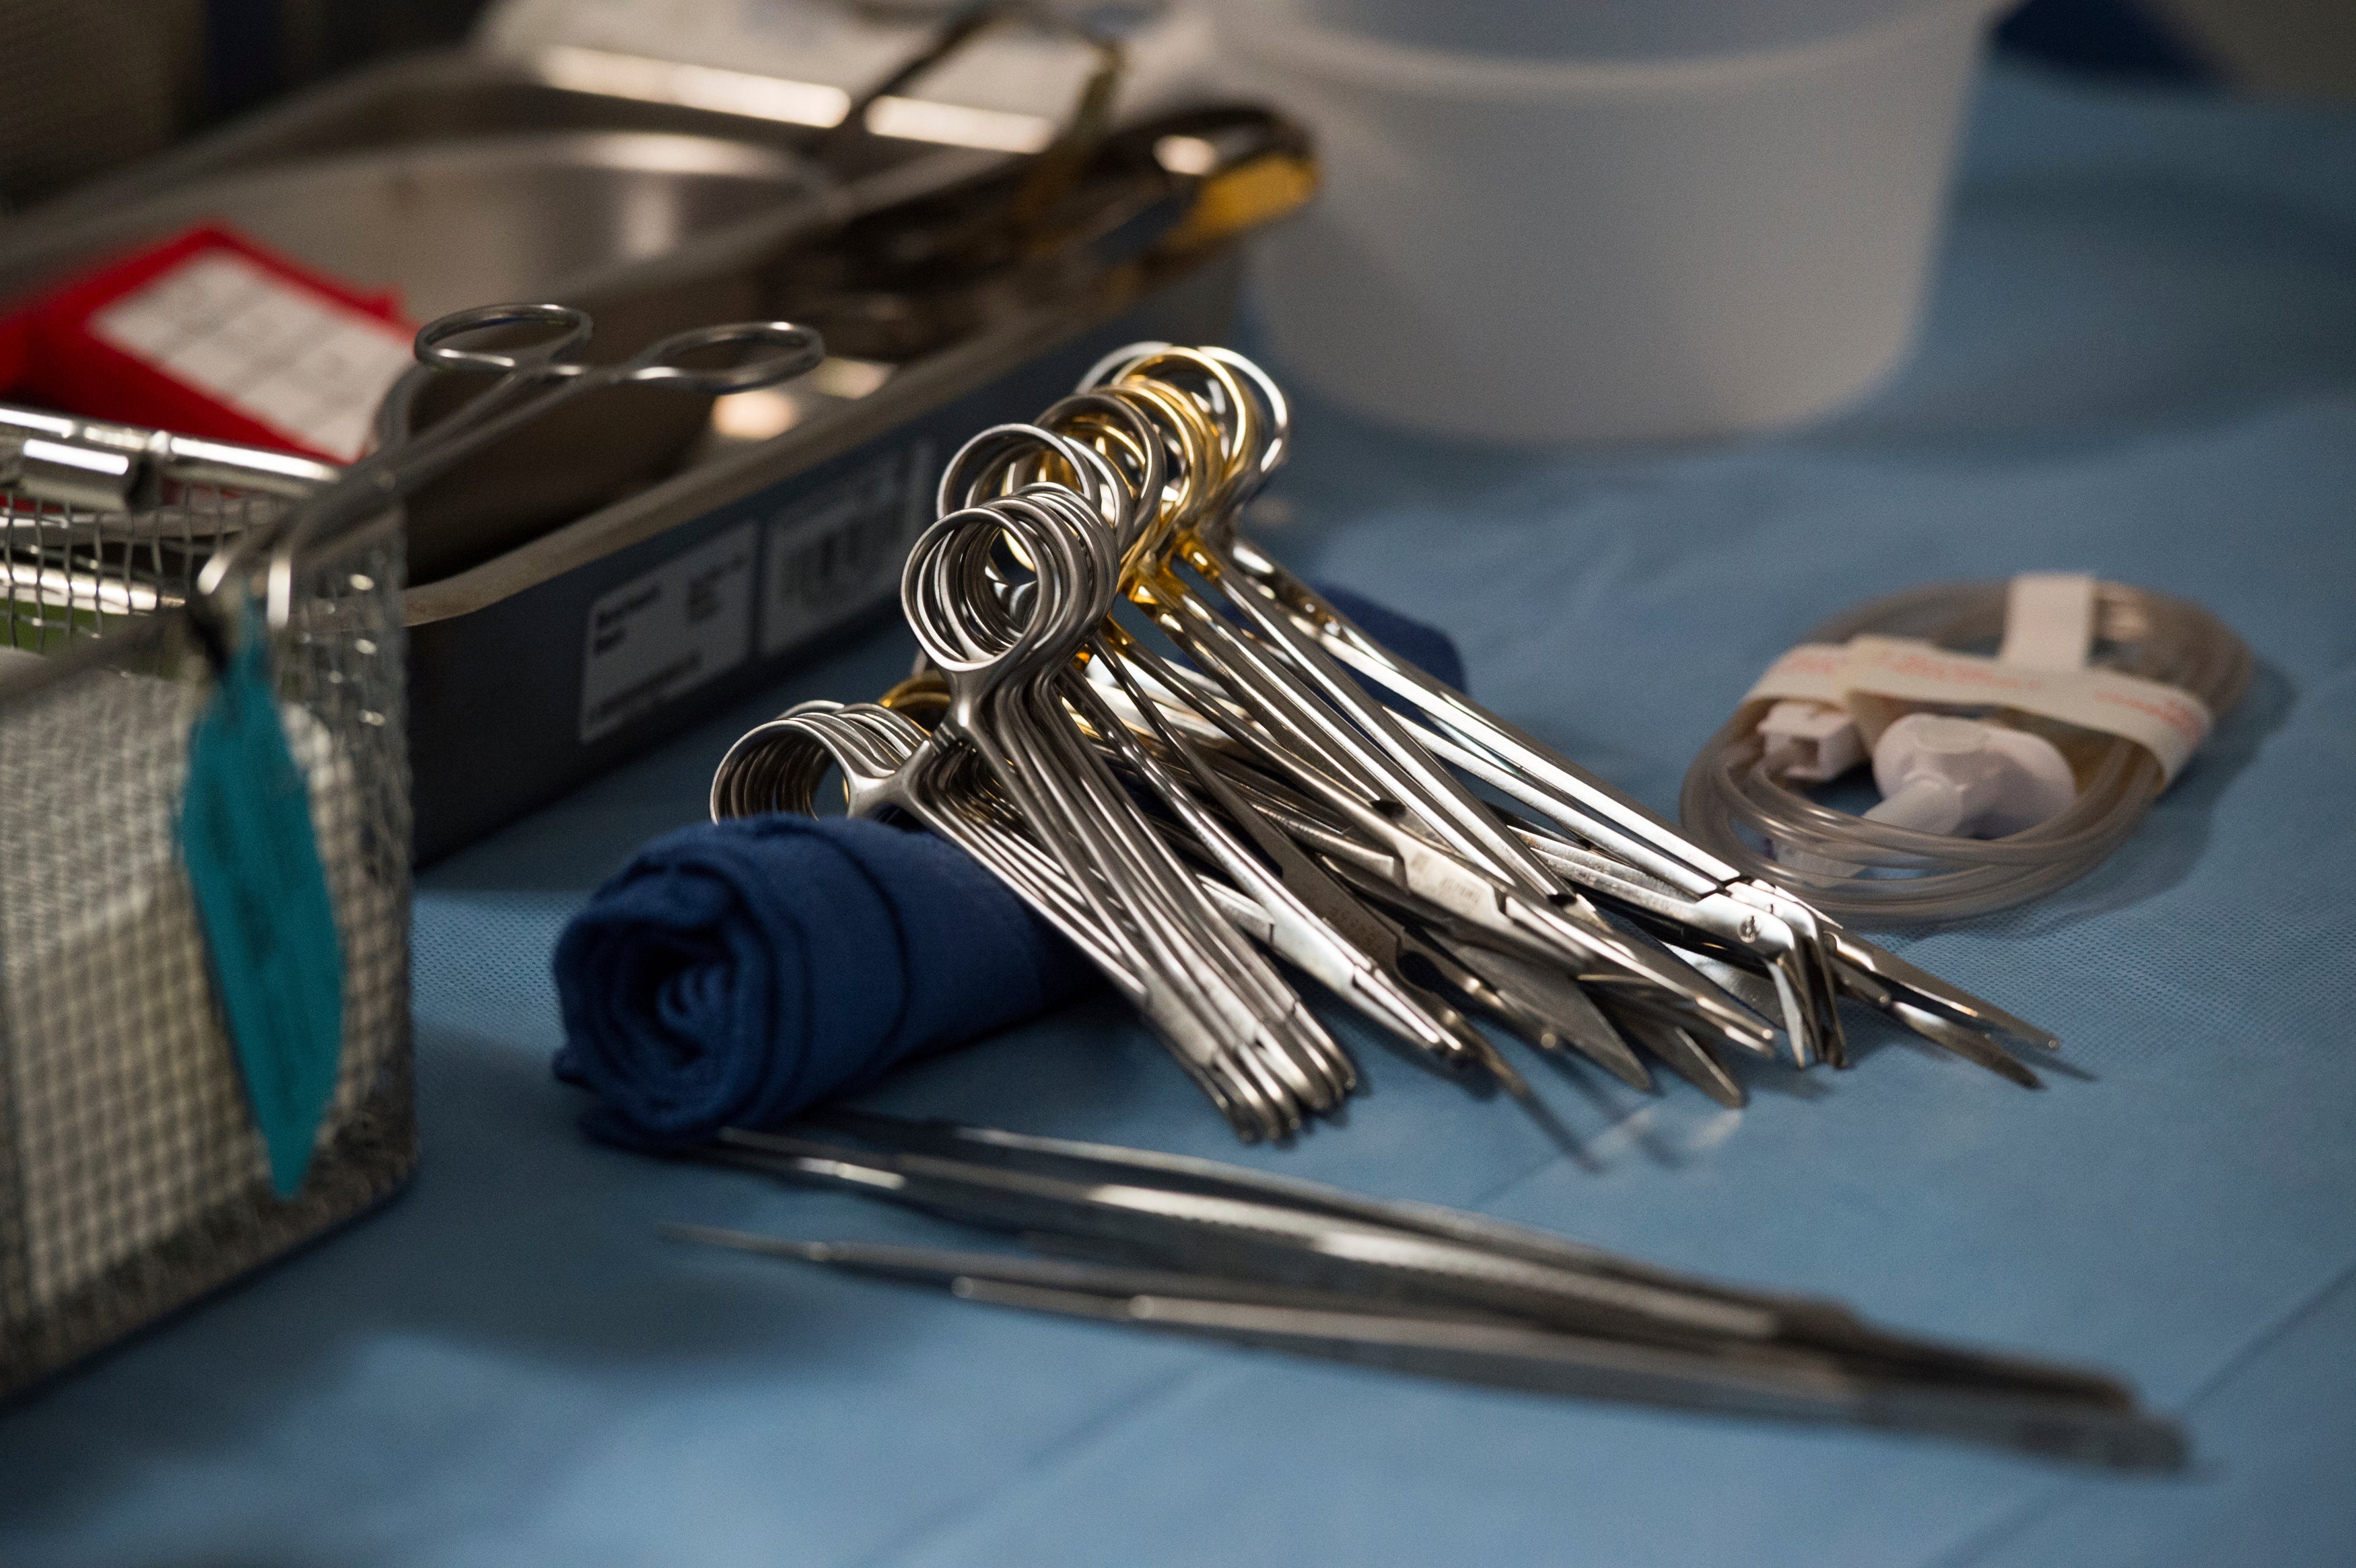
(792, 350)
(1115, 364)
(434, 346)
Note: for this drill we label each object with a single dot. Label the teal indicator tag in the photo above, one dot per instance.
(262, 900)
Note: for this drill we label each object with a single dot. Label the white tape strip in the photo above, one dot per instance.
(1876, 679)
(2048, 633)
(1811, 672)
(2049, 620)
(2169, 723)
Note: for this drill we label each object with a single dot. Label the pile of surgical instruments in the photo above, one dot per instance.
(1191, 1246)
(1187, 761)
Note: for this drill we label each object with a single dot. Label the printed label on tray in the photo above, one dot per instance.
(687, 621)
(308, 367)
(836, 551)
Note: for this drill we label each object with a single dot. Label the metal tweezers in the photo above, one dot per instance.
(1192, 1246)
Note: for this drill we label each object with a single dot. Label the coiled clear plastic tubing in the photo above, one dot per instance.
(1734, 806)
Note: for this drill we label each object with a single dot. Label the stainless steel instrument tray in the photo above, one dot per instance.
(539, 659)
(464, 181)
(445, 95)
(456, 222)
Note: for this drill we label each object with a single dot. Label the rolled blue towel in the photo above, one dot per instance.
(735, 973)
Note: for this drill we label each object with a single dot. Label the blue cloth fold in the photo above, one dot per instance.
(1428, 647)
(734, 974)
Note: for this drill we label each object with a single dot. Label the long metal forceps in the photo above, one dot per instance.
(1166, 1241)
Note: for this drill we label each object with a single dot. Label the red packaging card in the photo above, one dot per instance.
(212, 335)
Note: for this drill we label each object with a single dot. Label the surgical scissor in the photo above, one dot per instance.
(534, 379)
(1269, 769)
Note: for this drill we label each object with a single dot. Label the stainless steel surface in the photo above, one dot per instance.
(457, 223)
(530, 382)
(437, 97)
(463, 181)
(106, 466)
(611, 220)
(103, 523)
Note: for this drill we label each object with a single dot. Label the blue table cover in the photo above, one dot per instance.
(2140, 360)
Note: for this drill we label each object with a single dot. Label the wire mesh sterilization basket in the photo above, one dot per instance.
(131, 1177)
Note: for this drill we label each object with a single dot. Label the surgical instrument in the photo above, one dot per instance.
(1192, 1246)
(1271, 771)
(534, 378)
